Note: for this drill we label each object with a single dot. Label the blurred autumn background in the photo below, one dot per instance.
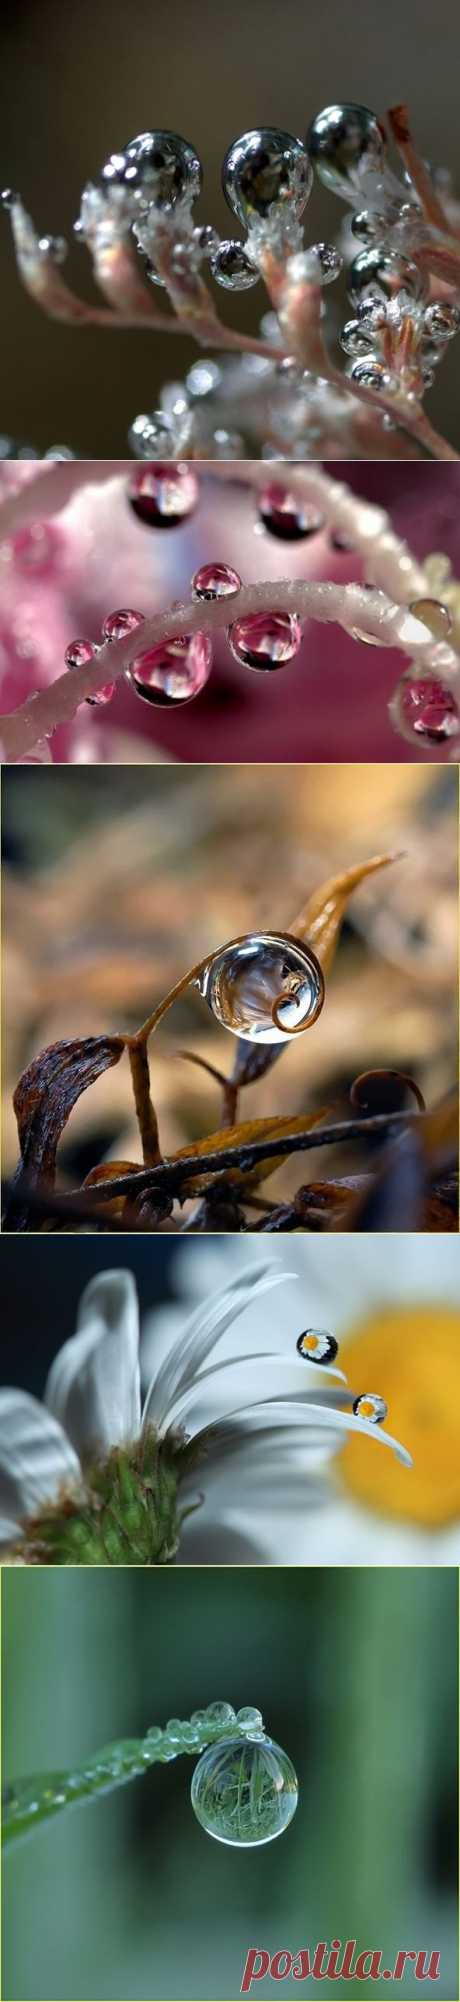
(115, 883)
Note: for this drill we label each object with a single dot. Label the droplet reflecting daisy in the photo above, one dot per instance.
(87, 1477)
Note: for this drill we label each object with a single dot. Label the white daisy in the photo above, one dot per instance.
(87, 1477)
(394, 1304)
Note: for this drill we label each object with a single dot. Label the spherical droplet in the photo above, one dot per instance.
(206, 239)
(219, 1714)
(425, 709)
(316, 1345)
(249, 1719)
(174, 672)
(372, 374)
(79, 654)
(244, 1793)
(267, 640)
(371, 1407)
(265, 169)
(264, 987)
(434, 615)
(163, 494)
(231, 266)
(386, 272)
(159, 434)
(346, 143)
(168, 167)
(34, 550)
(319, 265)
(286, 515)
(356, 339)
(215, 580)
(442, 320)
(118, 624)
(368, 225)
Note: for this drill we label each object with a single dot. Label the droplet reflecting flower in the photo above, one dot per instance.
(442, 320)
(264, 987)
(78, 654)
(244, 1794)
(215, 580)
(319, 265)
(118, 624)
(316, 1345)
(174, 672)
(266, 640)
(286, 515)
(163, 494)
(265, 169)
(371, 1407)
(346, 143)
(231, 266)
(372, 374)
(426, 710)
(168, 168)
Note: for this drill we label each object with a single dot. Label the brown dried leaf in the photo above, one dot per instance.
(243, 1135)
(44, 1098)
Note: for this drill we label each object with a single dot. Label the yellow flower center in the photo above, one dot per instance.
(412, 1356)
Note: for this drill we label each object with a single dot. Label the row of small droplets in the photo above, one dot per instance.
(127, 1757)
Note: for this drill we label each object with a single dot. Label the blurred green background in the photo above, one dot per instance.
(79, 81)
(356, 1676)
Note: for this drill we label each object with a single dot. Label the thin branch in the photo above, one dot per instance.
(174, 1175)
(398, 119)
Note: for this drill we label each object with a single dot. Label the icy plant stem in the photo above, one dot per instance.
(28, 1803)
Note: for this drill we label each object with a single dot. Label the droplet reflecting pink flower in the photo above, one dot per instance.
(174, 672)
(286, 515)
(266, 640)
(427, 710)
(215, 580)
(118, 624)
(162, 493)
(78, 654)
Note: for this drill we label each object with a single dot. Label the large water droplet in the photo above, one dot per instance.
(163, 494)
(245, 1793)
(387, 273)
(266, 640)
(346, 144)
(174, 672)
(265, 168)
(168, 168)
(286, 515)
(316, 1345)
(264, 987)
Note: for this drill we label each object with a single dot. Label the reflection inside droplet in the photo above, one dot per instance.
(264, 987)
(245, 1793)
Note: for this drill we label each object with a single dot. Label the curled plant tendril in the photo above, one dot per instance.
(238, 1738)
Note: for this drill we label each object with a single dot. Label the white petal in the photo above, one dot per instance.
(319, 1418)
(207, 1326)
(35, 1456)
(94, 1386)
(215, 1390)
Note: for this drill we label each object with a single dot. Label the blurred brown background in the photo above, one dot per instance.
(115, 882)
(79, 81)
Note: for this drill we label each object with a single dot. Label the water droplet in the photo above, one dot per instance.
(319, 265)
(346, 144)
(219, 1714)
(168, 168)
(371, 313)
(215, 580)
(373, 375)
(387, 272)
(174, 672)
(368, 225)
(265, 169)
(206, 239)
(250, 1720)
(442, 320)
(426, 709)
(266, 640)
(118, 624)
(79, 654)
(163, 495)
(174, 1729)
(34, 550)
(244, 1793)
(198, 1717)
(371, 1407)
(434, 615)
(203, 379)
(160, 435)
(286, 515)
(54, 247)
(264, 987)
(315, 1345)
(356, 339)
(231, 266)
